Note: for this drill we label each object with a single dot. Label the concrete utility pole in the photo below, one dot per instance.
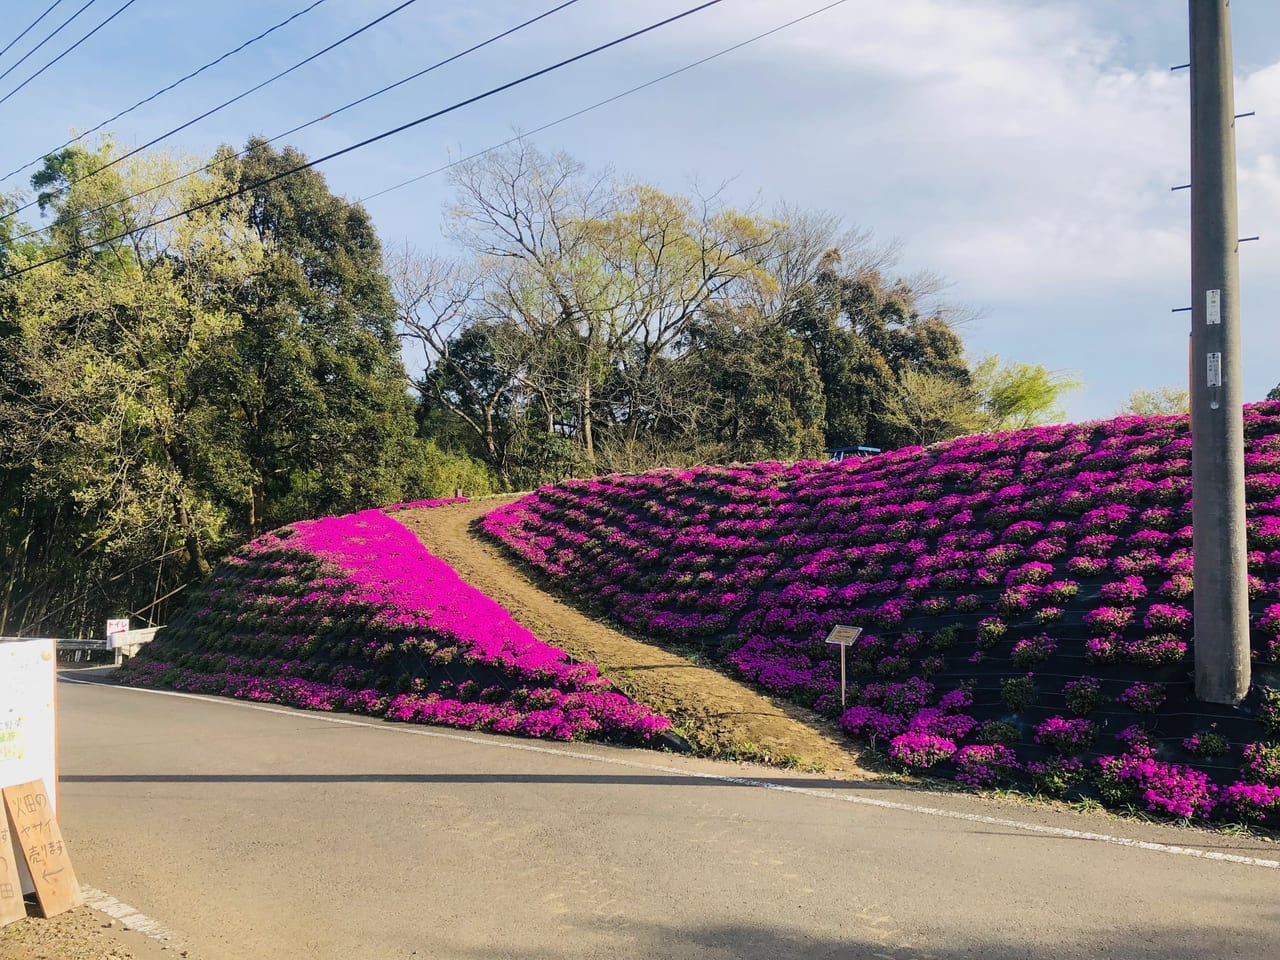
(1221, 606)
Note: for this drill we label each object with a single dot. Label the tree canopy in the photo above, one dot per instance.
(174, 389)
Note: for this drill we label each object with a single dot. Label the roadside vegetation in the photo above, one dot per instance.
(1024, 599)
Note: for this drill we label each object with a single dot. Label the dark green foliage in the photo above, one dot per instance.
(763, 398)
(997, 731)
(320, 412)
(1018, 693)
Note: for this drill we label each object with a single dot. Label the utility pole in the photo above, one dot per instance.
(1221, 599)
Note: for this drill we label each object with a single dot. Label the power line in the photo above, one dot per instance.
(366, 142)
(120, 10)
(178, 82)
(226, 103)
(326, 116)
(56, 30)
(47, 11)
(600, 103)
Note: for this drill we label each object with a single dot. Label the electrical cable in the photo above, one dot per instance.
(303, 126)
(56, 30)
(226, 103)
(47, 11)
(182, 80)
(600, 103)
(120, 10)
(367, 141)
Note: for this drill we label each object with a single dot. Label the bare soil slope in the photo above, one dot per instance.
(719, 715)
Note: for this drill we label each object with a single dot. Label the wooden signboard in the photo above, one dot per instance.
(35, 831)
(12, 906)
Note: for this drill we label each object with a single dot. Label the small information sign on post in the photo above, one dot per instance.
(116, 630)
(843, 636)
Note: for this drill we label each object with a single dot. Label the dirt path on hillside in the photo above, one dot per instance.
(719, 715)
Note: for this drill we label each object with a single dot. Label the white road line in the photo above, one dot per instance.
(392, 727)
(127, 915)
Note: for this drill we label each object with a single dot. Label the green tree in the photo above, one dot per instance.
(927, 408)
(1017, 395)
(865, 335)
(105, 419)
(762, 395)
(1161, 402)
(320, 413)
(586, 288)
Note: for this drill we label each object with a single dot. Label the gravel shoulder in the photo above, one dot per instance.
(720, 716)
(79, 934)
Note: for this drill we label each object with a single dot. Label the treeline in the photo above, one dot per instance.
(170, 391)
(596, 324)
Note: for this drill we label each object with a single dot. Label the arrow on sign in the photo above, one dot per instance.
(46, 874)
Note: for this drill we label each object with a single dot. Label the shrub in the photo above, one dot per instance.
(1018, 693)
(945, 638)
(1032, 651)
(990, 631)
(1252, 801)
(1107, 620)
(1270, 711)
(1066, 735)
(872, 723)
(1048, 615)
(999, 731)
(1206, 743)
(1167, 616)
(1103, 649)
(1055, 776)
(1083, 696)
(1144, 697)
(1141, 780)
(1129, 589)
(1154, 650)
(1060, 591)
(1262, 763)
(985, 765)
(918, 751)
(1178, 587)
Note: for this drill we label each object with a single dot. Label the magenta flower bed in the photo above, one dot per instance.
(352, 613)
(1038, 557)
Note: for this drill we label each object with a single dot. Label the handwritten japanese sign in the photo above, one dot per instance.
(35, 832)
(12, 906)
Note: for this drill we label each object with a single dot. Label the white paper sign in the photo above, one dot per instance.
(116, 627)
(1213, 306)
(1214, 370)
(28, 673)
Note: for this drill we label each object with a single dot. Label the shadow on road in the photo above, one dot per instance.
(1019, 940)
(662, 780)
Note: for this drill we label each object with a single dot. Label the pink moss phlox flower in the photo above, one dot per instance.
(985, 765)
(1066, 735)
(917, 750)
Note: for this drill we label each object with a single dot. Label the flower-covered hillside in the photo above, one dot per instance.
(352, 613)
(1025, 599)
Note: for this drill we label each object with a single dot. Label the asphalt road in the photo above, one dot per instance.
(263, 832)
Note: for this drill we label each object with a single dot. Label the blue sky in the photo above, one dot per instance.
(1022, 148)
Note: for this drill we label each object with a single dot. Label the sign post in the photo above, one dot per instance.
(844, 637)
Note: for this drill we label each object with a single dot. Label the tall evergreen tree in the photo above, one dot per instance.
(318, 394)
